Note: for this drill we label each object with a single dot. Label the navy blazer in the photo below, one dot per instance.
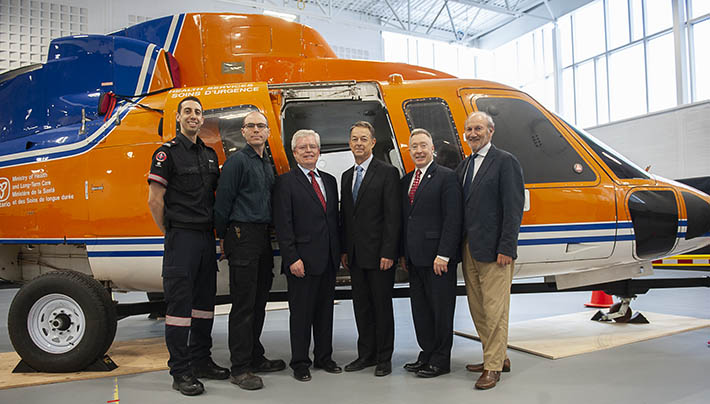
(493, 209)
(303, 229)
(371, 225)
(432, 224)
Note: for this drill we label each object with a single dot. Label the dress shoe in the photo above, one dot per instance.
(429, 371)
(302, 374)
(210, 370)
(329, 366)
(247, 381)
(383, 369)
(488, 380)
(359, 364)
(478, 367)
(188, 385)
(414, 366)
(268, 365)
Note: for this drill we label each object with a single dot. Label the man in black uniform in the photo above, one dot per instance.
(183, 178)
(242, 214)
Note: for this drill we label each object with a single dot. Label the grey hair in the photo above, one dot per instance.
(304, 133)
(485, 116)
(421, 131)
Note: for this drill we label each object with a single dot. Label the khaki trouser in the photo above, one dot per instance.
(488, 291)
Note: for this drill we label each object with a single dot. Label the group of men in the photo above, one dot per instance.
(430, 220)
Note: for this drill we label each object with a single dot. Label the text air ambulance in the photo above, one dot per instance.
(73, 190)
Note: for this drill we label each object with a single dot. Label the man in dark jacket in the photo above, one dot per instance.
(431, 240)
(494, 196)
(306, 219)
(371, 220)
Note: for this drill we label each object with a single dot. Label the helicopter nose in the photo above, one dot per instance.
(698, 211)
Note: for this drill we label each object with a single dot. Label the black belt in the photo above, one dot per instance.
(191, 226)
(249, 225)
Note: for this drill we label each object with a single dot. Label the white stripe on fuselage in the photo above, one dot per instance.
(171, 32)
(67, 147)
(144, 69)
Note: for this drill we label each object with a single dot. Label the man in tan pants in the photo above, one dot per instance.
(494, 195)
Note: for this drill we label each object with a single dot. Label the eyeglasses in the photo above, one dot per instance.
(303, 147)
(256, 125)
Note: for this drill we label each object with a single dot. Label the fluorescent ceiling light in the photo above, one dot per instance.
(284, 16)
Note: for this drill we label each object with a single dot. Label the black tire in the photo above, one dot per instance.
(623, 319)
(43, 308)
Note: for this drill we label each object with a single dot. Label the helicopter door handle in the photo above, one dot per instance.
(97, 188)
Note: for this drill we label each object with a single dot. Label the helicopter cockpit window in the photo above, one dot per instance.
(434, 115)
(332, 121)
(226, 123)
(622, 168)
(523, 130)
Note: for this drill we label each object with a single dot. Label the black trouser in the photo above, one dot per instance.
(310, 304)
(189, 284)
(374, 317)
(433, 300)
(251, 262)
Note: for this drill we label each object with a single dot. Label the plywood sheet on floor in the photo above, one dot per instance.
(573, 334)
(137, 356)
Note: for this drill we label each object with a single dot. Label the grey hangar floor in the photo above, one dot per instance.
(673, 369)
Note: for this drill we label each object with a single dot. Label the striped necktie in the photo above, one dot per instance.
(316, 188)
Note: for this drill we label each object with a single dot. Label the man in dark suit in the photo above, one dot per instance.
(370, 210)
(494, 196)
(431, 237)
(305, 204)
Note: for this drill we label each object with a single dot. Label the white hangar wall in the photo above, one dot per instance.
(27, 26)
(674, 142)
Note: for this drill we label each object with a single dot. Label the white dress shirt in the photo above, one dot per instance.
(479, 159)
(364, 166)
(319, 180)
(421, 178)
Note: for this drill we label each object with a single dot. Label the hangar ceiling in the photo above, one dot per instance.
(479, 23)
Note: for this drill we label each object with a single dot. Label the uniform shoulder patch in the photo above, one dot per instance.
(161, 156)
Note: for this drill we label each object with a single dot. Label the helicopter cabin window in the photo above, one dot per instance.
(225, 126)
(622, 168)
(332, 120)
(544, 154)
(434, 115)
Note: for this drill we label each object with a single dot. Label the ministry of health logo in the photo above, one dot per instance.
(4, 189)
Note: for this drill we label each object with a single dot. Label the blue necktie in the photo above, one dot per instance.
(358, 181)
(469, 175)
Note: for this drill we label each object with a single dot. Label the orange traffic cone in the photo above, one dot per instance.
(600, 299)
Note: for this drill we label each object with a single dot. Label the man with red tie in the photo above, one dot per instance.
(431, 218)
(305, 202)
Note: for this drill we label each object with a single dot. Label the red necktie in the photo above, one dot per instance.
(415, 185)
(316, 188)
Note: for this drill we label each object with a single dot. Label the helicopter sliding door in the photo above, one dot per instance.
(330, 109)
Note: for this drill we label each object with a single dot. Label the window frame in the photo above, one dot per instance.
(456, 134)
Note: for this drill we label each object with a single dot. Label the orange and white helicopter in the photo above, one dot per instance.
(73, 192)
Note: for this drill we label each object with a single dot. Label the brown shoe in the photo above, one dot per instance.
(488, 380)
(478, 367)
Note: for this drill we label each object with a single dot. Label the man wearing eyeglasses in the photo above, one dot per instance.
(242, 216)
(306, 221)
